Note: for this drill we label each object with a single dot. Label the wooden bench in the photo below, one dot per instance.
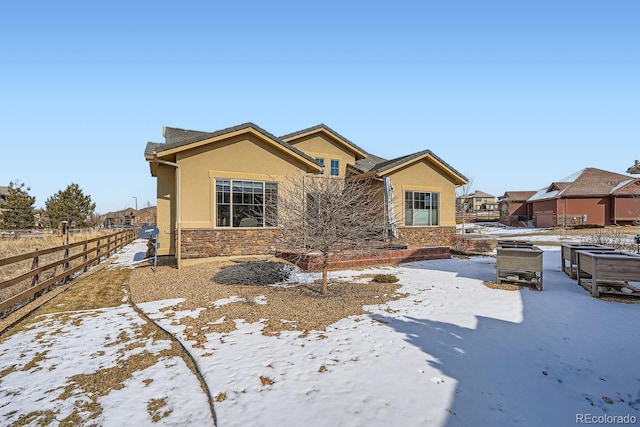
(519, 265)
(568, 254)
(608, 272)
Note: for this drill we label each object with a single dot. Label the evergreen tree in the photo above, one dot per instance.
(17, 213)
(69, 205)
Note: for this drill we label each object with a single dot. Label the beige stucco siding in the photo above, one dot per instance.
(241, 157)
(321, 145)
(421, 176)
(166, 209)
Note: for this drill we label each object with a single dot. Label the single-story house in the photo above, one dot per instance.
(513, 207)
(590, 196)
(209, 182)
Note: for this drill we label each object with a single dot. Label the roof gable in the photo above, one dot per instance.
(516, 196)
(392, 165)
(293, 137)
(479, 193)
(179, 140)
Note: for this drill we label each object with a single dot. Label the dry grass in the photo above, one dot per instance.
(11, 247)
(301, 308)
(503, 286)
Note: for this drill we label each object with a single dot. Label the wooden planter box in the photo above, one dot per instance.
(519, 265)
(568, 255)
(608, 272)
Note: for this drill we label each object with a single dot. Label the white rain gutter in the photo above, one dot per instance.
(178, 216)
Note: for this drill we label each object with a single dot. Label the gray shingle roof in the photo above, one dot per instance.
(389, 164)
(368, 163)
(322, 126)
(150, 148)
(181, 137)
(174, 135)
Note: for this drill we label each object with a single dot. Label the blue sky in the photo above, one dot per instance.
(513, 94)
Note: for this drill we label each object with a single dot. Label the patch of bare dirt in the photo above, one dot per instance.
(301, 308)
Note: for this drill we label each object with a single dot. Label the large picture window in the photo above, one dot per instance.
(421, 208)
(241, 203)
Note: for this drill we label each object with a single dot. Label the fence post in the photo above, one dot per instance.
(108, 246)
(65, 266)
(34, 264)
(85, 256)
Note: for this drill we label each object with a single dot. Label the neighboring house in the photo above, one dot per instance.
(478, 201)
(218, 191)
(145, 216)
(513, 207)
(124, 217)
(635, 169)
(589, 196)
(478, 206)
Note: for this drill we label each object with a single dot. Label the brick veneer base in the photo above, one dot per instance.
(313, 261)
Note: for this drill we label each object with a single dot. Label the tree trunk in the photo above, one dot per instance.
(325, 272)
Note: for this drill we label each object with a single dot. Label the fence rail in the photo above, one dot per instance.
(479, 215)
(76, 257)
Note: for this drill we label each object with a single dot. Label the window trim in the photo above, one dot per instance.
(242, 182)
(418, 190)
(337, 167)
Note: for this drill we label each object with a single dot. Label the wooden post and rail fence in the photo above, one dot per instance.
(75, 259)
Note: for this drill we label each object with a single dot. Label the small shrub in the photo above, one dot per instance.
(482, 246)
(614, 238)
(254, 273)
(384, 278)
(460, 245)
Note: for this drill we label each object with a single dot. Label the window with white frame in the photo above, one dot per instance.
(421, 208)
(244, 203)
(320, 161)
(335, 167)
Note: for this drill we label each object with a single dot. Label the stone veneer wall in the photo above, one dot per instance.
(203, 243)
(426, 236)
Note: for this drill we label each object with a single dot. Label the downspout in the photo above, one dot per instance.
(178, 218)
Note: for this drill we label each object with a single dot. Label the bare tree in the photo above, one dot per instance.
(330, 215)
(462, 192)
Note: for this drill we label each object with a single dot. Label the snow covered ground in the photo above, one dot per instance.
(451, 353)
